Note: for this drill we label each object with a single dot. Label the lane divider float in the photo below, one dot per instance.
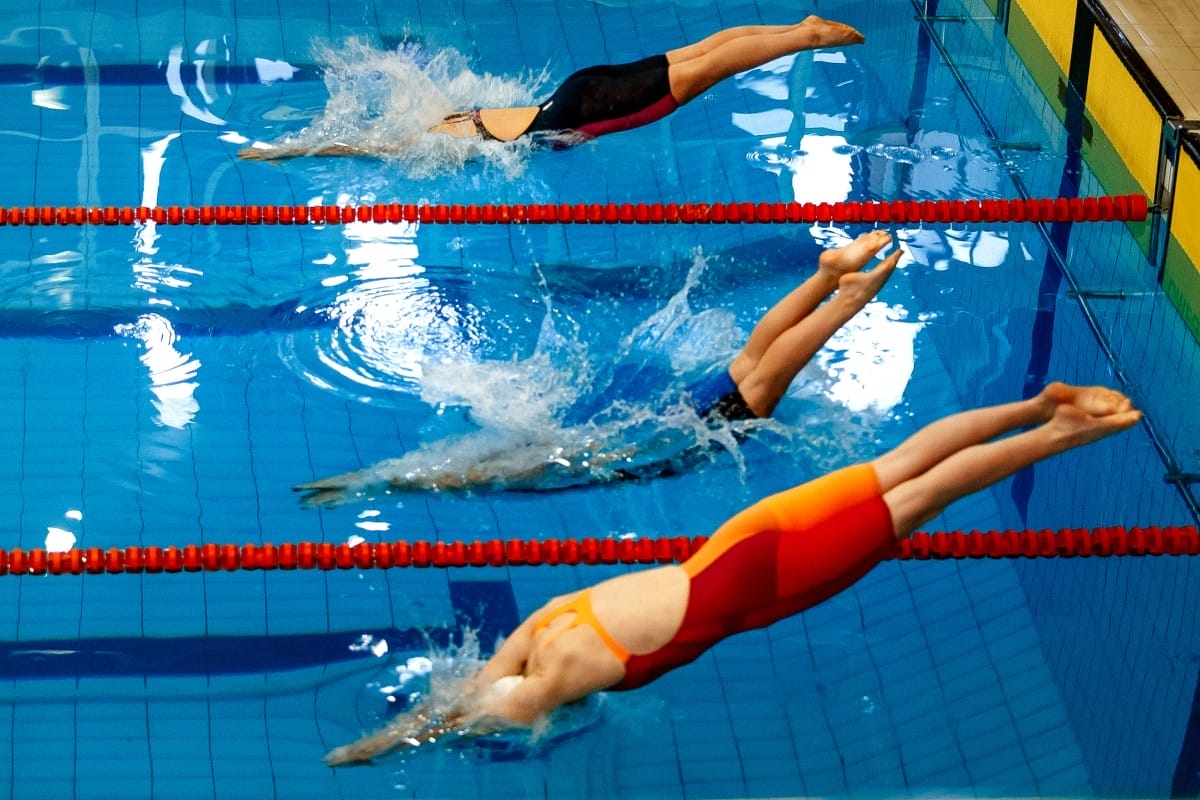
(922, 546)
(1125, 208)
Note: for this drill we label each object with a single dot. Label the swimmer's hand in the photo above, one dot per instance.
(336, 489)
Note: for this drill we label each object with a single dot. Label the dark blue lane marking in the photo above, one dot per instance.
(1186, 781)
(488, 607)
(140, 74)
(1042, 333)
(100, 323)
(201, 655)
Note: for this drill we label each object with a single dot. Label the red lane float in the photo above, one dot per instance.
(922, 546)
(1123, 208)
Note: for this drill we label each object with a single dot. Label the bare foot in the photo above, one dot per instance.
(859, 288)
(830, 33)
(1094, 400)
(1077, 426)
(839, 261)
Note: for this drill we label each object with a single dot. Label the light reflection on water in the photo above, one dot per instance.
(828, 145)
(173, 374)
(387, 317)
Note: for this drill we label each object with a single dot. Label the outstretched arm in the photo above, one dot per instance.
(511, 701)
(421, 726)
(501, 695)
(282, 152)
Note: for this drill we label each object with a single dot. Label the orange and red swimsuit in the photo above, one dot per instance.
(776, 558)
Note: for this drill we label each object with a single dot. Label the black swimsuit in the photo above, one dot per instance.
(608, 98)
(599, 100)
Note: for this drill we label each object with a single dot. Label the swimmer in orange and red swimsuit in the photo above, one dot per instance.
(616, 97)
(780, 556)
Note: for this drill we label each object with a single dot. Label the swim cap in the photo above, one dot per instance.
(504, 685)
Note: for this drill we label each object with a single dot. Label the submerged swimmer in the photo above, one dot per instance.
(783, 341)
(616, 97)
(782, 555)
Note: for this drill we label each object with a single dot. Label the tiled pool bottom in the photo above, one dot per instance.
(944, 691)
(923, 677)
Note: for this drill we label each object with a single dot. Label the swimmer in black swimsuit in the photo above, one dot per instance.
(610, 98)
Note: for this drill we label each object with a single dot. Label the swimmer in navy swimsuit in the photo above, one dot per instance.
(794, 329)
(783, 341)
(776, 558)
(781, 344)
(616, 97)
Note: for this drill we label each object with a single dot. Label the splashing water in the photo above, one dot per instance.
(435, 682)
(567, 416)
(555, 420)
(384, 102)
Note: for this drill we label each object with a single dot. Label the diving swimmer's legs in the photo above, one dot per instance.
(954, 457)
(715, 40)
(801, 301)
(790, 334)
(696, 68)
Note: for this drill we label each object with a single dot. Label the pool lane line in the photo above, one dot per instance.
(291, 556)
(1101, 208)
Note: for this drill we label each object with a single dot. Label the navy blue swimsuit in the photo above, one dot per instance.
(717, 397)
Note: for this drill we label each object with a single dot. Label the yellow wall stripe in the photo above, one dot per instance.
(1028, 44)
(1181, 274)
(1054, 21)
(1122, 109)
(1185, 214)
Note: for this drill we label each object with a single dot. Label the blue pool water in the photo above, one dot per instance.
(168, 386)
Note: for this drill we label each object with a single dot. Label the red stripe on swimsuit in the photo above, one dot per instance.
(651, 113)
(782, 555)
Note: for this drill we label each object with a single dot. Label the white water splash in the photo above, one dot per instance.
(384, 102)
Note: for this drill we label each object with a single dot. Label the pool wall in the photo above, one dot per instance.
(1130, 687)
(1135, 136)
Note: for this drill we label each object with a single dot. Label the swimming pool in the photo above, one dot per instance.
(168, 385)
